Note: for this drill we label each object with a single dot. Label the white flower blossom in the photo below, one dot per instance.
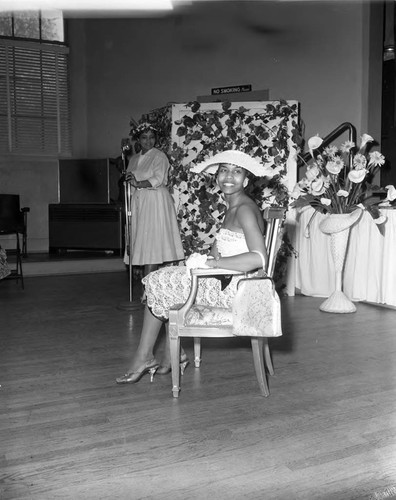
(342, 192)
(357, 176)
(312, 173)
(359, 162)
(391, 195)
(297, 191)
(335, 166)
(347, 146)
(325, 201)
(317, 187)
(304, 183)
(376, 158)
(314, 143)
(365, 139)
(380, 220)
(331, 151)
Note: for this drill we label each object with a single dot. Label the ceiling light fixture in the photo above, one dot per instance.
(86, 5)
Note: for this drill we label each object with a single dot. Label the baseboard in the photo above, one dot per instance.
(84, 266)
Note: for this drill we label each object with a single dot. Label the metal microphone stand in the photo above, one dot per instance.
(131, 305)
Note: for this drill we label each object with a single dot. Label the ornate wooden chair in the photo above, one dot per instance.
(250, 315)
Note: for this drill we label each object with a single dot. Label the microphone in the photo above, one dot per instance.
(126, 149)
(126, 146)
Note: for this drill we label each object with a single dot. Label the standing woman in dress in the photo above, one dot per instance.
(155, 232)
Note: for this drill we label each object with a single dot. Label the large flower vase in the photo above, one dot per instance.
(338, 226)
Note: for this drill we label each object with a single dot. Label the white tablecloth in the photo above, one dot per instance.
(370, 264)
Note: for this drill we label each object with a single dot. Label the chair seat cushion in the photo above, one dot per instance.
(208, 316)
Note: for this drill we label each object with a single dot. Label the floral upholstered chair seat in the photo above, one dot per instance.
(200, 315)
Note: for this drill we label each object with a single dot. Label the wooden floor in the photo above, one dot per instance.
(67, 431)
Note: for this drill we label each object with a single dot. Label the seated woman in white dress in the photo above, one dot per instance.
(239, 246)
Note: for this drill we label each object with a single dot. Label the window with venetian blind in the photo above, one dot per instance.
(34, 90)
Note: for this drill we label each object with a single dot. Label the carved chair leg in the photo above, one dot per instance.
(174, 345)
(267, 357)
(258, 359)
(197, 352)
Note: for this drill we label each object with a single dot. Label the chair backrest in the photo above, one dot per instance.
(274, 217)
(11, 217)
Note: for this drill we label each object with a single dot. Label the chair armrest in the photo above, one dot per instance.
(214, 271)
(251, 279)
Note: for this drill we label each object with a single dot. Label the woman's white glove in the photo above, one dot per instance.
(196, 261)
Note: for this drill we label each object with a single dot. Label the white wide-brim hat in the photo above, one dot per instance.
(234, 157)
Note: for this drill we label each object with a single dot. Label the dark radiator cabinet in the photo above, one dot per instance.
(86, 227)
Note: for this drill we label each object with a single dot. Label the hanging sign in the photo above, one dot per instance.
(232, 90)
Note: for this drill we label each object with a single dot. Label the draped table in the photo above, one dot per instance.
(370, 264)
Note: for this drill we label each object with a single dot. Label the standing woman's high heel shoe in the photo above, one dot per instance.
(165, 369)
(150, 367)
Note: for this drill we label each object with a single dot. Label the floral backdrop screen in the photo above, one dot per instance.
(190, 133)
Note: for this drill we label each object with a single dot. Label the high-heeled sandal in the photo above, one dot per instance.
(150, 366)
(165, 369)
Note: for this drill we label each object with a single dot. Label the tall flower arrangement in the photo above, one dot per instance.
(339, 179)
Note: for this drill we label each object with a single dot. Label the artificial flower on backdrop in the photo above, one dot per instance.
(339, 180)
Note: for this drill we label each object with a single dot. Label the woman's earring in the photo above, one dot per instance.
(245, 183)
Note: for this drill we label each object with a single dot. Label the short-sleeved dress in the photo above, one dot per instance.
(171, 285)
(155, 232)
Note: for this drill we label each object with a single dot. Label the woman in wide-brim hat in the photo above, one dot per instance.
(239, 245)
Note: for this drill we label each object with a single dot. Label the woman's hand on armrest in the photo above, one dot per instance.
(244, 262)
